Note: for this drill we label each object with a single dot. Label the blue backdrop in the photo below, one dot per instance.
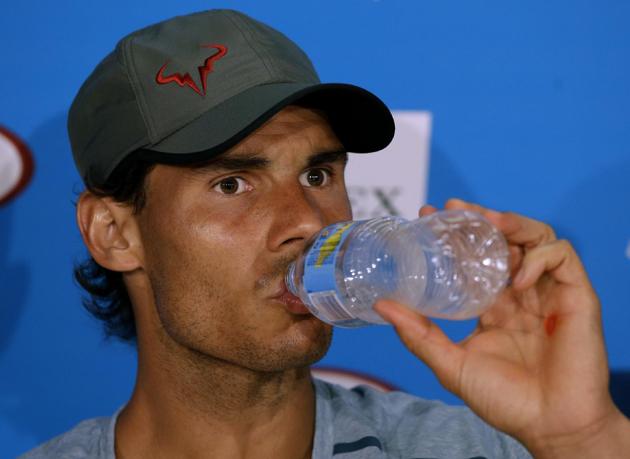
(531, 112)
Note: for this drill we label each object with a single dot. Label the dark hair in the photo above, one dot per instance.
(108, 299)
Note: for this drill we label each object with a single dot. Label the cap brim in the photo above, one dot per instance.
(360, 119)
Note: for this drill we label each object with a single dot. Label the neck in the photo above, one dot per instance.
(193, 406)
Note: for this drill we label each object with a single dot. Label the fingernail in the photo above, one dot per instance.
(520, 276)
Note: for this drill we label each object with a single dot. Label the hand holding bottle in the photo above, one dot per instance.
(535, 366)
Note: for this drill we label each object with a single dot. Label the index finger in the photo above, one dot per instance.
(518, 229)
(521, 230)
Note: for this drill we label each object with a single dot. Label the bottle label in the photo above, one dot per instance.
(321, 259)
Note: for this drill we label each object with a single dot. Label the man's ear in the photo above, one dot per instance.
(110, 232)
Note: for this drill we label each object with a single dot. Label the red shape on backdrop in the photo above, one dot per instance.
(186, 79)
(25, 156)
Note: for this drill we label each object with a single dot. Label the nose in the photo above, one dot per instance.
(298, 216)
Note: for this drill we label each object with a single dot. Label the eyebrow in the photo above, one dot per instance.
(252, 161)
(327, 157)
(229, 163)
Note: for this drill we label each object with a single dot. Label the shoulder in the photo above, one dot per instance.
(89, 438)
(404, 424)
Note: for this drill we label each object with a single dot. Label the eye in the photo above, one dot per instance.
(232, 185)
(316, 177)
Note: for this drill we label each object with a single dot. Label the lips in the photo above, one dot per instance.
(291, 302)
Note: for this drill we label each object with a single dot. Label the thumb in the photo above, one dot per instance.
(426, 341)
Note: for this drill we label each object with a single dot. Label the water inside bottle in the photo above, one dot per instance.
(389, 267)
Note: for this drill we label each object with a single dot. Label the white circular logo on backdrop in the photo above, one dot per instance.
(16, 165)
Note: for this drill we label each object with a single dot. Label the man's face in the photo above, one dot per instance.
(217, 241)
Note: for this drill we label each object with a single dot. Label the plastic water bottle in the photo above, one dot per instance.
(450, 264)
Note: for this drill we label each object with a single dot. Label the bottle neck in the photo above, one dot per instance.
(289, 279)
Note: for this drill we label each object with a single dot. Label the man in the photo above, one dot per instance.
(202, 187)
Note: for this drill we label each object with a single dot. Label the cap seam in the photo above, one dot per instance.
(183, 124)
(183, 121)
(130, 62)
(247, 36)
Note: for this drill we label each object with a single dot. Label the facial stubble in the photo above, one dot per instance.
(190, 326)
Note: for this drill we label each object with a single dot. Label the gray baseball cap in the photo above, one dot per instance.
(186, 89)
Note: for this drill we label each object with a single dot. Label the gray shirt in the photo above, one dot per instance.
(349, 424)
